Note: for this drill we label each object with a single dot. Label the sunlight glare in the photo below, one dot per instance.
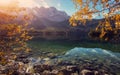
(4, 2)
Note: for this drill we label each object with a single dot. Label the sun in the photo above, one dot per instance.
(8, 4)
(20, 3)
(5, 2)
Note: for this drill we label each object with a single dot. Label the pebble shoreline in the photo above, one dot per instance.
(26, 65)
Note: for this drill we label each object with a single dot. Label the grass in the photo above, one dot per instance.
(62, 46)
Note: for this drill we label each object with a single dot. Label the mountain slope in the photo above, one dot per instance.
(49, 19)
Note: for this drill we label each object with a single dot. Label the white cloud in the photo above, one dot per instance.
(59, 5)
(33, 3)
(43, 3)
(27, 3)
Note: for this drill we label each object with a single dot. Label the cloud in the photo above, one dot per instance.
(27, 3)
(33, 3)
(43, 3)
(59, 5)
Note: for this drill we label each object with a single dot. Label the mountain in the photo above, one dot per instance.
(54, 22)
(53, 19)
(48, 18)
(50, 13)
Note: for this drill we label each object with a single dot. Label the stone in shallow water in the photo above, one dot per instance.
(91, 53)
(77, 60)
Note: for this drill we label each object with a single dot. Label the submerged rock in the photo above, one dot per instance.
(91, 53)
(77, 61)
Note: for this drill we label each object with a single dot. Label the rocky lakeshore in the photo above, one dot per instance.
(51, 64)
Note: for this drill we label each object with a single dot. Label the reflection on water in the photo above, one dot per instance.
(90, 53)
(92, 59)
(97, 55)
(101, 58)
(80, 53)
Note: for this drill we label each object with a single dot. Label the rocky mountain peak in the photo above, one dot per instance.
(51, 14)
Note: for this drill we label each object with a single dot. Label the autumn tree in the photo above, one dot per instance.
(13, 35)
(108, 10)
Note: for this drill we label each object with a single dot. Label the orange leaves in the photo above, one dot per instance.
(88, 8)
(116, 18)
(85, 9)
(109, 10)
(10, 30)
(78, 3)
(13, 36)
(1, 53)
(18, 29)
(72, 21)
(4, 18)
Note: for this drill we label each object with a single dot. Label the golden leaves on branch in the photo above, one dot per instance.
(108, 10)
(87, 8)
(13, 36)
(78, 3)
(116, 19)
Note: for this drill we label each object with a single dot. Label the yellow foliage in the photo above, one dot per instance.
(108, 9)
(13, 36)
(87, 8)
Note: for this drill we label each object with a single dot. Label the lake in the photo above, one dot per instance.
(102, 56)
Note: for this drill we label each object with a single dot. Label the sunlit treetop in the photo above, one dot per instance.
(108, 10)
(88, 9)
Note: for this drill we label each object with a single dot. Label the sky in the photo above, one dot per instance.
(64, 5)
